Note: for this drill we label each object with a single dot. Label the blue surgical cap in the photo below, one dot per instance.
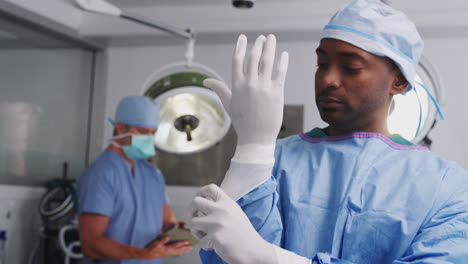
(137, 111)
(381, 30)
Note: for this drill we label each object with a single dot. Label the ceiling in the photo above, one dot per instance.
(141, 3)
(217, 21)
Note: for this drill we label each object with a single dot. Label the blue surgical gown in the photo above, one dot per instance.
(361, 198)
(134, 204)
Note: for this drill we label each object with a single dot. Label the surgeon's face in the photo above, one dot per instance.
(353, 88)
(134, 130)
(140, 130)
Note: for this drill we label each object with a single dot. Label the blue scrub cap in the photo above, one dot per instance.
(381, 30)
(137, 111)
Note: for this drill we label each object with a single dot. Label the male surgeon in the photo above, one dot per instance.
(351, 192)
(122, 197)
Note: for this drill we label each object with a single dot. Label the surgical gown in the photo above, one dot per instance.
(361, 198)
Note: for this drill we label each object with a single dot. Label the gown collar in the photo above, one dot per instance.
(317, 135)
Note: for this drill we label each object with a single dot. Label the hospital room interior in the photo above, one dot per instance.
(65, 66)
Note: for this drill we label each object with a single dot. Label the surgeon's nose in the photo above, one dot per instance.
(328, 78)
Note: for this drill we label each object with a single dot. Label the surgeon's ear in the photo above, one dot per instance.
(120, 128)
(400, 84)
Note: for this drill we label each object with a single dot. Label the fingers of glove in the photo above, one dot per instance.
(211, 191)
(206, 243)
(205, 225)
(221, 89)
(198, 234)
(202, 205)
(239, 58)
(282, 69)
(254, 58)
(268, 57)
(193, 212)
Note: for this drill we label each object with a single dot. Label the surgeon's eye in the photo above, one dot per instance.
(352, 71)
(145, 131)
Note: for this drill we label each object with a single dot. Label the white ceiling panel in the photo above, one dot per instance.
(15, 34)
(142, 3)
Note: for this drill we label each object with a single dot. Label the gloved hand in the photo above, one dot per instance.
(222, 226)
(255, 105)
(255, 102)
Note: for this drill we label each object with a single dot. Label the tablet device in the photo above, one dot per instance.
(177, 234)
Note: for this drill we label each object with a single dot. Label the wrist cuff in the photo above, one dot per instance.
(242, 178)
(255, 153)
(285, 256)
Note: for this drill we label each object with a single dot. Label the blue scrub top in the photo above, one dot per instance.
(134, 204)
(361, 198)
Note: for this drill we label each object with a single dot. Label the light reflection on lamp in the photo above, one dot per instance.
(405, 111)
(404, 114)
(206, 122)
(192, 117)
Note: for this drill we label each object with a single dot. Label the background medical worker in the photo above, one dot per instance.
(348, 193)
(122, 197)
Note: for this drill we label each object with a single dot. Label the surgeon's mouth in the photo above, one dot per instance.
(329, 102)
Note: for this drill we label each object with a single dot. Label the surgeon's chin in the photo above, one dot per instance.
(335, 118)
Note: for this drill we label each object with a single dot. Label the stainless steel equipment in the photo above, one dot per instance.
(195, 140)
(192, 120)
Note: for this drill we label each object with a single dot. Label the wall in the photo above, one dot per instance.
(44, 113)
(129, 67)
(57, 12)
(450, 57)
(19, 217)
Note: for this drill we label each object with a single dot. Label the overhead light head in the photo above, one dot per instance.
(243, 4)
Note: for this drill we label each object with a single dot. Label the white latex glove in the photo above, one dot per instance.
(255, 102)
(222, 226)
